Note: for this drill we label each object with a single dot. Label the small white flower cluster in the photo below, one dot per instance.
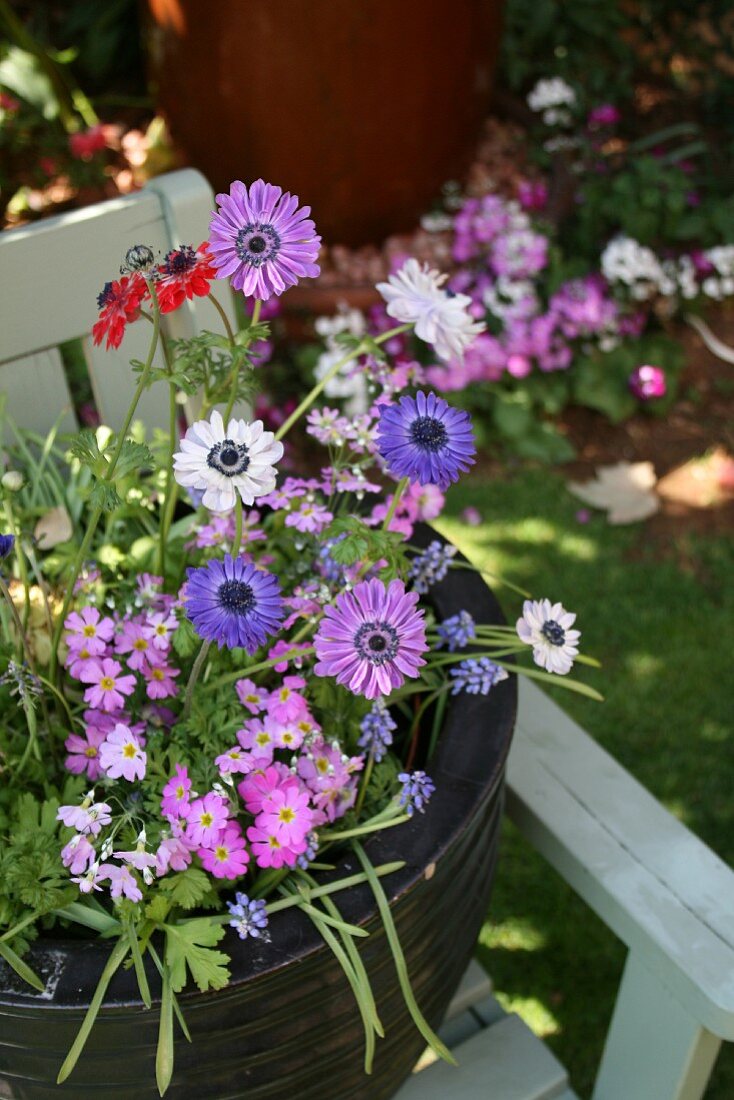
(720, 283)
(625, 260)
(349, 383)
(553, 97)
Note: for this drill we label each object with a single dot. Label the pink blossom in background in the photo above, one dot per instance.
(647, 383)
(121, 755)
(108, 688)
(175, 800)
(84, 752)
(228, 856)
(606, 114)
(206, 818)
(88, 630)
(86, 143)
(251, 696)
(78, 854)
(122, 881)
(532, 194)
(260, 785)
(472, 516)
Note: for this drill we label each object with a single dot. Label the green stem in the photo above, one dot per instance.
(195, 673)
(238, 526)
(331, 373)
(96, 515)
(24, 647)
(32, 743)
(20, 558)
(400, 489)
(225, 320)
(235, 369)
(366, 776)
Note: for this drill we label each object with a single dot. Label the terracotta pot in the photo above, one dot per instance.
(287, 1024)
(363, 108)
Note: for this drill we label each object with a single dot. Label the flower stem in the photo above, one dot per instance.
(195, 673)
(96, 515)
(225, 320)
(332, 372)
(22, 639)
(20, 558)
(235, 369)
(399, 490)
(238, 526)
(366, 776)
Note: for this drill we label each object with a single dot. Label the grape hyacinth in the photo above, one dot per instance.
(431, 566)
(417, 790)
(250, 918)
(476, 676)
(457, 631)
(377, 729)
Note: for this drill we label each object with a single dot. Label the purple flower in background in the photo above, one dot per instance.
(261, 241)
(647, 382)
(606, 114)
(426, 440)
(476, 676)
(532, 194)
(371, 638)
(233, 603)
(6, 545)
(417, 790)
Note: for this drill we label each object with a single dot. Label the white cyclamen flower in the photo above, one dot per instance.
(551, 93)
(224, 463)
(546, 627)
(625, 260)
(415, 296)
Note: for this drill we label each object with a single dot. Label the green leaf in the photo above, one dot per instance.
(187, 888)
(139, 965)
(117, 957)
(22, 969)
(185, 639)
(189, 945)
(134, 457)
(85, 448)
(105, 496)
(164, 1052)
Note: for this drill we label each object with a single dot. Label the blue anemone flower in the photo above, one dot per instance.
(424, 439)
(233, 603)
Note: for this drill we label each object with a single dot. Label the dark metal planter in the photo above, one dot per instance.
(287, 1025)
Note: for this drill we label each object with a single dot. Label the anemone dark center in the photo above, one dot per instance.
(180, 261)
(228, 458)
(236, 596)
(256, 243)
(553, 632)
(429, 433)
(106, 297)
(376, 642)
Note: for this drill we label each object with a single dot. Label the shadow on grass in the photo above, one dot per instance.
(662, 622)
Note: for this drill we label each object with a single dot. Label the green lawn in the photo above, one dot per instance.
(662, 621)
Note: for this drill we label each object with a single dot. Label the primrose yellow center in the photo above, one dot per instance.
(160, 630)
(91, 752)
(221, 853)
(263, 738)
(285, 694)
(180, 791)
(89, 631)
(140, 643)
(251, 699)
(287, 738)
(158, 674)
(322, 764)
(273, 842)
(286, 815)
(235, 755)
(107, 683)
(206, 820)
(129, 751)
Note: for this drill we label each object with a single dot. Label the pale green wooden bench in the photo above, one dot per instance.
(666, 895)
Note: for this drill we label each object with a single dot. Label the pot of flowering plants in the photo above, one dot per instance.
(288, 1020)
(340, 101)
(338, 753)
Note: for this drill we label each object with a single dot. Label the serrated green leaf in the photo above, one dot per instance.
(185, 639)
(105, 496)
(134, 457)
(189, 946)
(187, 888)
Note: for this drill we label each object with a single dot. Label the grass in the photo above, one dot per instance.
(662, 622)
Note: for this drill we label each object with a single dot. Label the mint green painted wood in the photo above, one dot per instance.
(36, 392)
(666, 895)
(502, 1062)
(52, 272)
(655, 1050)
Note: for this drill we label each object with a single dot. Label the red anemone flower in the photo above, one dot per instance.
(118, 304)
(185, 272)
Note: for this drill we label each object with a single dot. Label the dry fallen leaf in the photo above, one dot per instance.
(626, 491)
(53, 527)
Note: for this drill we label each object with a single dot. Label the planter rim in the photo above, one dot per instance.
(465, 773)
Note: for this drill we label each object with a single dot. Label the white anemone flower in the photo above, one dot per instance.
(546, 627)
(415, 296)
(223, 463)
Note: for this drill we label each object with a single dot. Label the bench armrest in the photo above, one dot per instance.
(658, 887)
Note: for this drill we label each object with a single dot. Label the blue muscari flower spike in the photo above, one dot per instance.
(431, 566)
(377, 727)
(249, 918)
(457, 631)
(417, 790)
(477, 676)
(7, 542)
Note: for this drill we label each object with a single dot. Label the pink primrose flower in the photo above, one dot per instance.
(228, 857)
(175, 800)
(122, 881)
(286, 813)
(121, 755)
(84, 752)
(286, 703)
(108, 687)
(87, 630)
(173, 855)
(271, 852)
(206, 819)
(259, 785)
(235, 761)
(78, 855)
(161, 682)
(136, 639)
(251, 696)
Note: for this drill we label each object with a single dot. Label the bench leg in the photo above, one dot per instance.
(654, 1049)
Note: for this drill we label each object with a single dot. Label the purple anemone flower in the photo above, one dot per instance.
(233, 603)
(371, 638)
(261, 241)
(424, 439)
